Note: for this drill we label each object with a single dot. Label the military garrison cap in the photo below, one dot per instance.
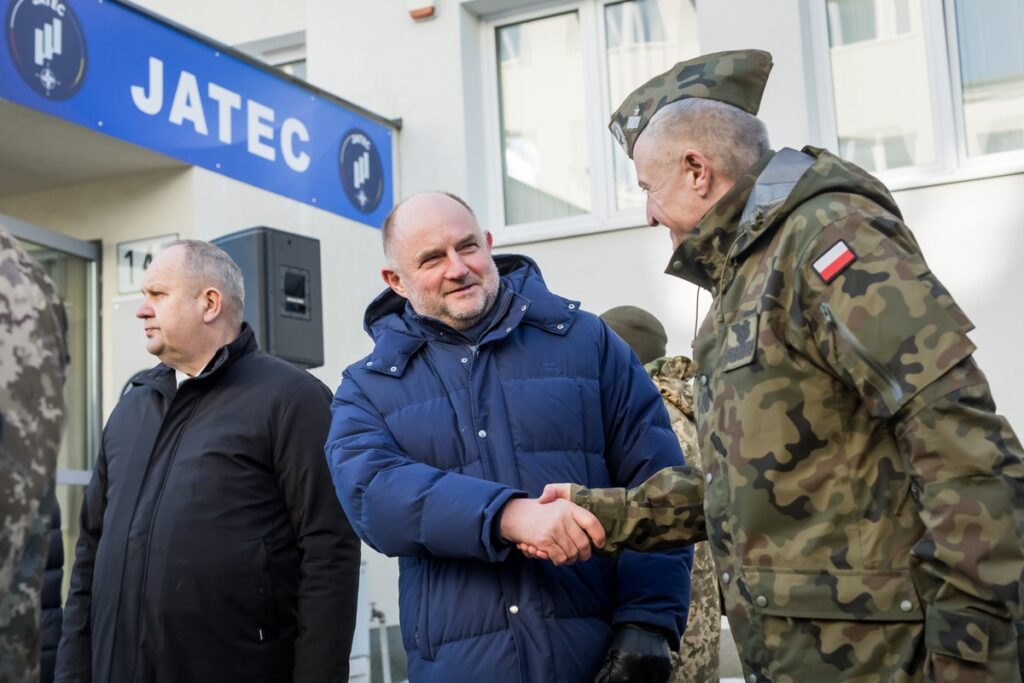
(736, 77)
(641, 330)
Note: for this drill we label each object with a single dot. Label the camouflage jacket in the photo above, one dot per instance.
(696, 661)
(32, 362)
(864, 501)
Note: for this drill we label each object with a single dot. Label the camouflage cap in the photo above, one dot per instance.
(736, 77)
(641, 330)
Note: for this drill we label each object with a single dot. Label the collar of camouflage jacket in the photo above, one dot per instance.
(701, 257)
(760, 201)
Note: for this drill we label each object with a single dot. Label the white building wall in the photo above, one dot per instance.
(374, 54)
(971, 236)
(233, 21)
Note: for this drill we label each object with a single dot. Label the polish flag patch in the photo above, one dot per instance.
(834, 261)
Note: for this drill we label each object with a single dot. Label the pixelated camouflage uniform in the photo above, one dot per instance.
(697, 658)
(32, 362)
(864, 501)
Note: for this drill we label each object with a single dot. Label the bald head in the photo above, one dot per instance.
(407, 210)
(439, 259)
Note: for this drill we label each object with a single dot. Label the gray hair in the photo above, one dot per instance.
(210, 266)
(387, 229)
(733, 139)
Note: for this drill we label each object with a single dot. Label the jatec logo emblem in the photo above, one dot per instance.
(362, 175)
(47, 45)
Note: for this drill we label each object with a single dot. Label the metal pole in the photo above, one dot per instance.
(382, 633)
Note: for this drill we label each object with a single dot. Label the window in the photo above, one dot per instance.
(882, 122)
(545, 160)
(640, 43)
(295, 68)
(286, 52)
(991, 62)
(921, 88)
(557, 76)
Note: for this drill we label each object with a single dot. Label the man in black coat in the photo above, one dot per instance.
(212, 547)
(53, 576)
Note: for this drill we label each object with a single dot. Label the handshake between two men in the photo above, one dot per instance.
(552, 527)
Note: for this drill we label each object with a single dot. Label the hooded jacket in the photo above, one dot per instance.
(863, 499)
(212, 549)
(432, 435)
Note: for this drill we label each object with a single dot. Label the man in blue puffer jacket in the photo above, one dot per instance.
(482, 387)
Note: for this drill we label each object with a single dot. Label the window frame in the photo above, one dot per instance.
(603, 216)
(279, 51)
(952, 164)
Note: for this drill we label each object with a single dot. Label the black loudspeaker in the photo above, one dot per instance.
(282, 291)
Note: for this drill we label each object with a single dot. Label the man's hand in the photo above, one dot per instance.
(636, 655)
(553, 492)
(560, 492)
(559, 531)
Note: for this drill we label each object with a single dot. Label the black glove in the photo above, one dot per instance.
(637, 655)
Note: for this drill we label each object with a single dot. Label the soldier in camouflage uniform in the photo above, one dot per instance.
(863, 500)
(696, 661)
(32, 363)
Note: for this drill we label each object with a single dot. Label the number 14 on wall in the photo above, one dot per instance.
(133, 258)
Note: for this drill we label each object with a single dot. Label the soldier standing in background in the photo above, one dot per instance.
(33, 359)
(697, 658)
(864, 501)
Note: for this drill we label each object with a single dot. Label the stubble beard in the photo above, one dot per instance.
(469, 317)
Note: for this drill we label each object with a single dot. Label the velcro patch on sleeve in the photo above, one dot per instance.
(834, 261)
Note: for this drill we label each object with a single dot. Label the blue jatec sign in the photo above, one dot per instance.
(111, 68)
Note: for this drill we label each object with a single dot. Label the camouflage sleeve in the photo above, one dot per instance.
(968, 474)
(665, 511)
(888, 330)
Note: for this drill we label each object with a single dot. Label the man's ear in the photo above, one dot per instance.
(212, 303)
(489, 238)
(697, 169)
(394, 281)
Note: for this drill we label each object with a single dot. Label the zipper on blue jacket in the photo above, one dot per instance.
(880, 370)
(485, 462)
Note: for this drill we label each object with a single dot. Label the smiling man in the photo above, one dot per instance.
(212, 548)
(862, 497)
(482, 386)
